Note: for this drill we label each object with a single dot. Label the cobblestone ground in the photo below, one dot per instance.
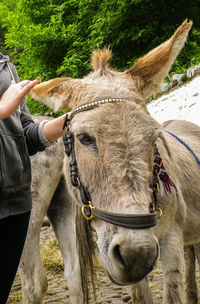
(107, 292)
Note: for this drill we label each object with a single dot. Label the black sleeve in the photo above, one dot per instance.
(31, 134)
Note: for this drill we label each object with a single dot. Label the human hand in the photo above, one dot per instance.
(14, 95)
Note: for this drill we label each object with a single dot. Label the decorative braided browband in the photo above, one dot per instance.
(162, 173)
(94, 104)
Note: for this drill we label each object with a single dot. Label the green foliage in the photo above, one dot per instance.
(51, 38)
(3, 15)
(37, 108)
(40, 109)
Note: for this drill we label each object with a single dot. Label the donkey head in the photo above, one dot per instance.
(114, 149)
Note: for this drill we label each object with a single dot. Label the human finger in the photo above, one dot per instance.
(27, 85)
(32, 83)
(23, 83)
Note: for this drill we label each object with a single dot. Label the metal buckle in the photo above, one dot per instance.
(159, 212)
(87, 211)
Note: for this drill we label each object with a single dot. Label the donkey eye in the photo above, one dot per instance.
(86, 139)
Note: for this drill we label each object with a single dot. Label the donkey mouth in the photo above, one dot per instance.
(113, 281)
(128, 279)
(134, 271)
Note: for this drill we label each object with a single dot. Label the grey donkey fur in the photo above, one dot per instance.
(114, 148)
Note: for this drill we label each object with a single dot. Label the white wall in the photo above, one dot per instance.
(182, 103)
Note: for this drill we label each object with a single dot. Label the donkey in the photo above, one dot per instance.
(192, 252)
(123, 157)
(50, 196)
(46, 167)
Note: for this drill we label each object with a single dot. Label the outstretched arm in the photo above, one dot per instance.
(53, 129)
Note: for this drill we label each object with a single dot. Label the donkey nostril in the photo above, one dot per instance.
(118, 257)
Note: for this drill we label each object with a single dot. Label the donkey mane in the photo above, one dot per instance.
(100, 58)
(87, 256)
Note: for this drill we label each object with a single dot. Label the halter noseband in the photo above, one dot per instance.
(131, 221)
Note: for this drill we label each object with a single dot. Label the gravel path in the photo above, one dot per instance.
(107, 292)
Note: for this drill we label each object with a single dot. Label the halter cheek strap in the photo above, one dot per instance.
(131, 221)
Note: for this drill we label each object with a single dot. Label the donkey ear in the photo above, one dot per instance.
(150, 70)
(56, 94)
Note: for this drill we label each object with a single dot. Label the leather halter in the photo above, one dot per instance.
(131, 221)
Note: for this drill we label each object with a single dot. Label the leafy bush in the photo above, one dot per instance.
(53, 38)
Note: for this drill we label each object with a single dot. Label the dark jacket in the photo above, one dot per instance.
(19, 138)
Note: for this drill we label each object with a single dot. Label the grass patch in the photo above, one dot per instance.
(15, 297)
(51, 256)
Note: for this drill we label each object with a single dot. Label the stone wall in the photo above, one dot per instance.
(178, 99)
(176, 81)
